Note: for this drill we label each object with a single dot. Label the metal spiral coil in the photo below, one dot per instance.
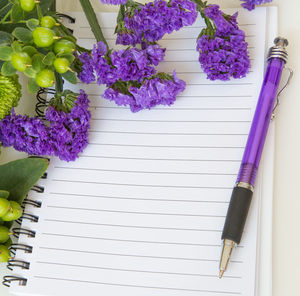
(37, 188)
(279, 51)
(32, 202)
(8, 279)
(17, 263)
(18, 230)
(42, 103)
(14, 247)
(27, 216)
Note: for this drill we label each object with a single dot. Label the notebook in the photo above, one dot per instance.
(141, 212)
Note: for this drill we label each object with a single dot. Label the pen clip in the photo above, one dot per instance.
(291, 73)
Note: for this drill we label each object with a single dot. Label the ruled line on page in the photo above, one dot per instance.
(134, 241)
(132, 226)
(138, 185)
(137, 286)
(144, 172)
(139, 256)
(166, 134)
(136, 198)
(174, 108)
(135, 212)
(133, 270)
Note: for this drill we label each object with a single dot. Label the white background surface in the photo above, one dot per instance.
(286, 212)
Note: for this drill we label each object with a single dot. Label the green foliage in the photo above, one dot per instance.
(32, 24)
(70, 76)
(8, 69)
(32, 86)
(30, 50)
(10, 94)
(17, 177)
(5, 53)
(17, 13)
(49, 58)
(4, 194)
(5, 38)
(23, 35)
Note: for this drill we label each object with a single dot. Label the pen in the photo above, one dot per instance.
(243, 190)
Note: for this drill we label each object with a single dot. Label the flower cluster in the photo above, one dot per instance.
(114, 2)
(223, 51)
(65, 136)
(152, 92)
(131, 77)
(250, 4)
(150, 22)
(125, 64)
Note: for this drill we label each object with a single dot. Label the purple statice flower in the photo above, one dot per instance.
(114, 2)
(224, 55)
(152, 92)
(127, 37)
(250, 4)
(125, 64)
(65, 136)
(87, 71)
(25, 134)
(150, 22)
(68, 132)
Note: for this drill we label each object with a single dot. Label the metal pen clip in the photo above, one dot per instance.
(291, 74)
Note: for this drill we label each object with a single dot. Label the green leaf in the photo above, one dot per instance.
(16, 46)
(17, 13)
(32, 24)
(69, 57)
(32, 86)
(30, 72)
(17, 177)
(5, 7)
(4, 194)
(70, 76)
(37, 62)
(49, 58)
(8, 69)
(5, 53)
(30, 50)
(23, 34)
(5, 38)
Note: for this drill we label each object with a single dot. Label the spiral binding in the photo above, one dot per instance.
(16, 232)
(10, 278)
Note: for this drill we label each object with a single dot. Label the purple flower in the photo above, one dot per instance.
(250, 4)
(87, 71)
(65, 136)
(224, 55)
(125, 64)
(152, 92)
(150, 22)
(114, 2)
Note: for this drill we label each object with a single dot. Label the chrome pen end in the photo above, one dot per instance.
(228, 246)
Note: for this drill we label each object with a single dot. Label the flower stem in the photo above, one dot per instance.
(5, 17)
(92, 19)
(58, 83)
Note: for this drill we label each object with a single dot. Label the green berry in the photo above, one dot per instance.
(48, 22)
(4, 254)
(20, 61)
(4, 234)
(64, 46)
(43, 37)
(27, 5)
(45, 78)
(61, 65)
(14, 212)
(4, 206)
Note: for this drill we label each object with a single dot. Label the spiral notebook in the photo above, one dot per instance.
(140, 213)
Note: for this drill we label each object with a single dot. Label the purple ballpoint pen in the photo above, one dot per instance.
(243, 191)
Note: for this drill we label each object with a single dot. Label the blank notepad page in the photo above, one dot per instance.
(141, 212)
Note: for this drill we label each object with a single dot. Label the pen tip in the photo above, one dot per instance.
(221, 273)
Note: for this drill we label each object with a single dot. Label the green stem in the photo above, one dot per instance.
(92, 19)
(58, 83)
(5, 17)
(39, 11)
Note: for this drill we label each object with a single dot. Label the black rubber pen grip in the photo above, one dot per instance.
(237, 214)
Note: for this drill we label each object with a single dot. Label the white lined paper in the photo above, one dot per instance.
(141, 212)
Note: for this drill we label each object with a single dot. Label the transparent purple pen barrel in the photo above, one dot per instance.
(261, 121)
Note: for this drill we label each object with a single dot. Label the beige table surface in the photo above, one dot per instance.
(286, 212)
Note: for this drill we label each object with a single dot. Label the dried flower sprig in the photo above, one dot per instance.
(250, 4)
(223, 51)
